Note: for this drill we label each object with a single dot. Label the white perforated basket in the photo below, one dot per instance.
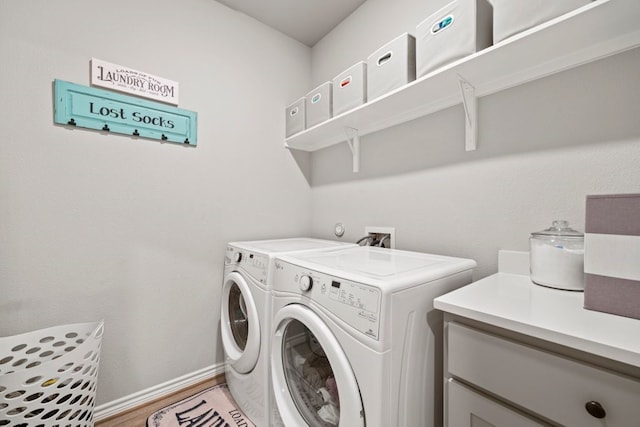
(49, 377)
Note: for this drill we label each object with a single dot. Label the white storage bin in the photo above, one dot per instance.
(513, 16)
(350, 88)
(392, 66)
(49, 377)
(295, 117)
(459, 29)
(318, 105)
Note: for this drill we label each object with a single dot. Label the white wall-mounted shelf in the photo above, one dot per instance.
(594, 31)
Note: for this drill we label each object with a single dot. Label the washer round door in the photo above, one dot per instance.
(312, 378)
(240, 326)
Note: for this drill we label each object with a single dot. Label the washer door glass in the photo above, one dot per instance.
(312, 376)
(240, 327)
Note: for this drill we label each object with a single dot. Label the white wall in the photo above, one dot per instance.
(133, 231)
(543, 147)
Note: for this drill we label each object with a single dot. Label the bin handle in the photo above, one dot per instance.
(442, 24)
(385, 58)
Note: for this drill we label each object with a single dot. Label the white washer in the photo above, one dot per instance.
(356, 340)
(246, 318)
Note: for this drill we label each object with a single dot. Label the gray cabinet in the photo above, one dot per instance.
(492, 380)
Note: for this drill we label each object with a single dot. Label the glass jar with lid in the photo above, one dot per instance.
(557, 257)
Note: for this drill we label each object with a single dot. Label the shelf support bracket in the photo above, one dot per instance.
(470, 104)
(353, 141)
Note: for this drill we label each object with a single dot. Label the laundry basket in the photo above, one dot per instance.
(49, 377)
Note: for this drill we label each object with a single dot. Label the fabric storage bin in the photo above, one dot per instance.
(612, 254)
(318, 105)
(49, 377)
(513, 16)
(350, 88)
(392, 66)
(295, 117)
(459, 29)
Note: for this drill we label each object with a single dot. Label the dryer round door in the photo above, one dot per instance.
(240, 326)
(312, 378)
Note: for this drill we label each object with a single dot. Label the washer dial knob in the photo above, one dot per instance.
(305, 283)
(237, 257)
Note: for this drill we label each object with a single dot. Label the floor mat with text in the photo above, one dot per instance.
(211, 407)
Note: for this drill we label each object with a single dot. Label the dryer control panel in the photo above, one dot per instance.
(255, 264)
(356, 304)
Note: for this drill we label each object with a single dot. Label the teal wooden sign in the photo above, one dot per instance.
(91, 108)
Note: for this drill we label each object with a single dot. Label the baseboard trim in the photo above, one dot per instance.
(134, 400)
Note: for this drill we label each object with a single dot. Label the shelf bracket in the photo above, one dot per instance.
(470, 104)
(353, 141)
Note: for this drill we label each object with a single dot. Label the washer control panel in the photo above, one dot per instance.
(354, 303)
(305, 283)
(355, 295)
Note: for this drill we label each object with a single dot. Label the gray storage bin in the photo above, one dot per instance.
(611, 248)
(392, 66)
(460, 28)
(513, 16)
(295, 117)
(350, 88)
(318, 105)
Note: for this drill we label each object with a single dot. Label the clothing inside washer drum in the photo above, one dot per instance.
(310, 377)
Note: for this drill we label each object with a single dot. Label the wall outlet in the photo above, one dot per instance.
(386, 235)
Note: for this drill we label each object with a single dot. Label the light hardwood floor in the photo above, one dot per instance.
(138, 416)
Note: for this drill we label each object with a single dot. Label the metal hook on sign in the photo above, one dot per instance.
(106, 128)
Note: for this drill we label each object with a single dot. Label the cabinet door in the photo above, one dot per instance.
(466, 408)
(558, 388)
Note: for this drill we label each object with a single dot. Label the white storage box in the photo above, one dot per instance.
(459, 29)
(392, 66)
(318, 105)
(513, 16)
(295, 117)
(49, 377)
(350, 88)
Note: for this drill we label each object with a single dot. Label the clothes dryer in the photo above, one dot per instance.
(356, 340)
(246, 318)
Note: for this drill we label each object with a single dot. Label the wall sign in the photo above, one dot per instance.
(91, 108)
(123, 79)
